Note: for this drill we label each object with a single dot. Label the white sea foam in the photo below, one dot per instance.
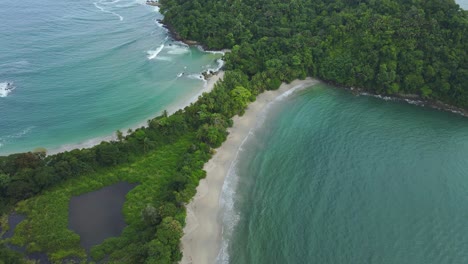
(6, 88)
(230, 217)
(198, 76)
(152, 54)
(414, 102)
(9, 138)
(228, 188)
(85, 144)
(108, 2)
(389, 98)
(160, 25)
(385, 98)
(163, 58)
(107, 11)
(291, 91)
(132, 3)
(178, 50)
(200, 48)
(220, 64)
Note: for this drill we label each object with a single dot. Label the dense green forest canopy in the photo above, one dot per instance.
(412, 47)
(385, 46)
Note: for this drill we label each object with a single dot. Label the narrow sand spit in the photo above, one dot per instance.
(202, 233)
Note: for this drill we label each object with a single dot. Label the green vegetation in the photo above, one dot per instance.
(387, 46)
(10, 257)
(47, 222)
(166, 159)
(405, 46)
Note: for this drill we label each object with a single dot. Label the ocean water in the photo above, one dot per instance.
(463, 4)
(329, 177)
(72, 72)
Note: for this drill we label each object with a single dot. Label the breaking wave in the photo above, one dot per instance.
(390, 98)
(230, 216)
(222, 52)
(198, 76)
(220, 64)
(6, 88)
(109, 2)
(152, 54)
(178, 49)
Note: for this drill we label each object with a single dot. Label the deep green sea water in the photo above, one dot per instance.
(80, 70)
(334, 178)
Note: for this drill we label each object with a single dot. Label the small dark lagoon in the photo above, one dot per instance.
(94, 216)
(13, 220)
(97, 215)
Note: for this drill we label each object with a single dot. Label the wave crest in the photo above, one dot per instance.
(152, 54)
(107, 11)
(6, 88)
(178, 50)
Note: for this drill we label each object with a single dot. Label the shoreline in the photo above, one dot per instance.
(206, 88)
(202, 237)
(413, 99)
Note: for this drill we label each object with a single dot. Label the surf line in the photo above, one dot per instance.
(6, 88)
(107, 11)
(152, 54)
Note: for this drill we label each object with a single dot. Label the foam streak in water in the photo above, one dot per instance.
(107, 11)
(178, 50)
(6, 88)
(152, 54)
(109, 2)
(198, 77)
(230, 217)
(160, 25)
(220, 63)
(222, 52)
(7, 139)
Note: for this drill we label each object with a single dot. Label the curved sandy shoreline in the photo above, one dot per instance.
(202, 234)
(208, 86)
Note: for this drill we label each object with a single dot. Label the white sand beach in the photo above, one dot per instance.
(202, 233)
(210, 82)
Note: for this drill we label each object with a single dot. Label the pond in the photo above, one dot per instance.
(97, 215)
(13, 220)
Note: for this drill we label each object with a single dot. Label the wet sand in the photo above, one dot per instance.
(202, 233)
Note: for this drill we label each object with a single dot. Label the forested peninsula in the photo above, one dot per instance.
(411, 47)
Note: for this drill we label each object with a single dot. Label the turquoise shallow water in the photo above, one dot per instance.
(80, 70)
(334, 178)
